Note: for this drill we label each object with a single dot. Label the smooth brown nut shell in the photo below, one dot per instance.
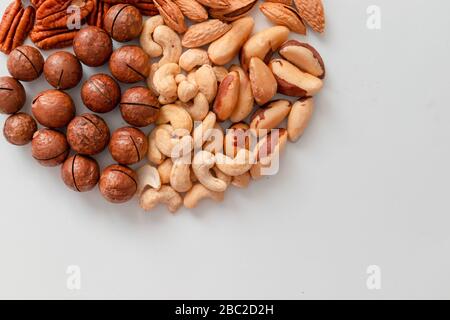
(25, 63)
(88, 134)
(80, 173)
(63, 70)
(118, 184)
(53, 108)
(12, 95)
(19, 129)
(93, 46)
(49, 147)
(128, 145)
(123, 22)
(139, 107)
(100, 93)
(130, 64)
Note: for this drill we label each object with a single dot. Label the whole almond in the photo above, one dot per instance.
(171, 14)
(312, 12)
(283, 15)
(287, 2)
(236, 10)
(203, 33)
(227, 96)
(303, 56)
(193, 10)
(262, 80)
(215, 4)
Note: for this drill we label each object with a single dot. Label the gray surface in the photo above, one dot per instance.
(366, 185)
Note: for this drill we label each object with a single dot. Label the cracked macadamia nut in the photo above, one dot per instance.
(19, 129)
(123, 22)
(130, 64)
(118, 184)
(88, 134)
(93, 46)
(128, 145)
(63, 70)
(80, 173)
(100, 93)
(25, 63)
(139, 107)
(49, 147)
(12, 95)
(53, 108)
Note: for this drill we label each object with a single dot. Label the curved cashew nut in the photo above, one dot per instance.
(148, 176)
(207, 82)
(154, 155)
(198, 193)
(180, 175)
(150, 198)
(204, 130)
(191, 76)
(192, 58)
(173, 143)
(176, 116)
(164, 170)
(237, 166)
(164, 81)
(187, 91)
(151, 75)
(242, 181)
(222, 176)
(150, 47)
(170, 43)
(203, 162)
(198, 109)
(179, 78)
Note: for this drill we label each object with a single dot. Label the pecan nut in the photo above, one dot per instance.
(98, 13)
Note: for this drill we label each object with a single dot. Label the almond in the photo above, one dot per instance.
(303, 56)
(171, 14)
(236, 10)
(283, 15)
(313, 13)
(287, 2)
(205, 32)
(215, 4)
(193, 10)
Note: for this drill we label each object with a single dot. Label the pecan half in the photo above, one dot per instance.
(97, 15)
(37, 3)
(53, 39)
(15, 26)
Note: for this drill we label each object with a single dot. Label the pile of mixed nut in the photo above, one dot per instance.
(193, 92)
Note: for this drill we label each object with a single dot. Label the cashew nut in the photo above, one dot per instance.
(197, 109)
(214, 143)
(203, 162)
(216, 172)
(170, 43)
(207, 82)
(198, 193)
(150, 47)
(151, 75)
(154, 155)
(148, 176)
(191, 76)
(187, 91)
(193, 58)
(180, 175)
(242, 181)
(173, 143)
(176, 116)
(164, 81)
(164, 170)
(237, 166)
(150, 198)
(204, 130)
(179, 78)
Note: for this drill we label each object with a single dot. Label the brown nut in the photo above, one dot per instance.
(49, 147)
(128, 145)
(53, 108)
(100, 93)
(227, 96)
(130, 64)
(118, 184)
(246, 100)
(93, 46)
(123, 22)
(139, 107)
(299, 117)
(237, 137)
(269, 117)
(304, 57)
(12, 95)
(25, 63)
(292, 81)
(19, 129)
(263, 82)
(80, 173)
(88, 134)
(63, 70)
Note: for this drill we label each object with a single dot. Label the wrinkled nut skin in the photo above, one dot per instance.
(49, 147)
(304, 56)
(128, 145)
(12, 95)
(63, 70)
(80, 173)
(139, 107)
(118, 184)
(227, 96)
(130, 64)
(19, 129)
(100, 93)
(53, 108)
(263, 83)
(88, 134)
(93, 46)
(25, 63)
(123, 22)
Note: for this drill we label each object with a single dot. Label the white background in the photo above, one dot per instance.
(367, 185)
